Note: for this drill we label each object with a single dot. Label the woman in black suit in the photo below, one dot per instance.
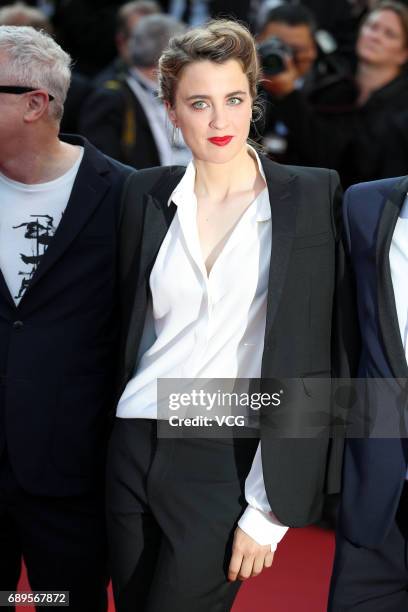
(228, 272)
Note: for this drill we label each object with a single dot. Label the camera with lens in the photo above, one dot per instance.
(272, 54)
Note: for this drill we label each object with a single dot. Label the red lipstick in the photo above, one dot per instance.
(221, 141)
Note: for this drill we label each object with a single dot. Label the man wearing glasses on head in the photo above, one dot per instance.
(59, 208)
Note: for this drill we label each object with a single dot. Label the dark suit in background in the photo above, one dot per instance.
(370, 571)
(58, 356)
(79, 89)
(113, 119)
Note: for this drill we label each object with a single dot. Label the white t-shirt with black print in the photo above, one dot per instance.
(29, 217)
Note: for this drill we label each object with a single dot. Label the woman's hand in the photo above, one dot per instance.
(248, 558)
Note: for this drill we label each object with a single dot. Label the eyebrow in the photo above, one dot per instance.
(206, 97)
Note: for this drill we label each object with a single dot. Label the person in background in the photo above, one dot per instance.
(335, 21)
(127, 17)
(350, 122)
(370, 572)
(125, 118)
(295, 26)
(86, 29)
(59, 213)
(292, 29)
(198, 12)
(20, 14)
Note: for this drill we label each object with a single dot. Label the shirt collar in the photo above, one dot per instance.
(184, 191)
(263, 204)
(146, 83)
(404, 208)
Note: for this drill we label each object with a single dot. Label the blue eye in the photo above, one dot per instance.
(199, 105)
(234, 101)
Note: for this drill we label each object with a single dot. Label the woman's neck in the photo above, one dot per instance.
(369, 78)
(219, 181)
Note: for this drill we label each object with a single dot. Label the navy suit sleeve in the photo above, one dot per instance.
(345, 326)
(346, 217)
(345, 344)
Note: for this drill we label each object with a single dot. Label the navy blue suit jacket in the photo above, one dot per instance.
(374, 469)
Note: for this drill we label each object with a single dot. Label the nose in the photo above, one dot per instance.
(219, 120)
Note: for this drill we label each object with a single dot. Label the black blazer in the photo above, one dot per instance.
(298, 337)
(58, 347)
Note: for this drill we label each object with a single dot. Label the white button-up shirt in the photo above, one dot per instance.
(208, 326)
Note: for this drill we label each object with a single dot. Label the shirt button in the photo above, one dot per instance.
(18, 324)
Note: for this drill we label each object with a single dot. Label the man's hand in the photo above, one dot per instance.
(248, 558)
(283, 83)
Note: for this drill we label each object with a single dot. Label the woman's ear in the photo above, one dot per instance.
(171, 113)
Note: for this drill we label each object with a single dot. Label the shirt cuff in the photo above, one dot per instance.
(262, 527)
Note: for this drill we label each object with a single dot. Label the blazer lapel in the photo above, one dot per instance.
(387, 312)
(87, 192)
(157, 219)
(4, 291)
(282, 188)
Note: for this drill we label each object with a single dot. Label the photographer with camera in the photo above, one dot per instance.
(287, 45)
(347, 121)
(291, 60)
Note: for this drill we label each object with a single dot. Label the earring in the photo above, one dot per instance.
(256, 114)
(174, 136)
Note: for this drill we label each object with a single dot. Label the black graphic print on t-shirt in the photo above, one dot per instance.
(40, 232)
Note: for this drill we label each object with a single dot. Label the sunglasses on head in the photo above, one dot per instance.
(19, 89)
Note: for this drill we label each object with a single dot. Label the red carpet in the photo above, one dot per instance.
(298, 581)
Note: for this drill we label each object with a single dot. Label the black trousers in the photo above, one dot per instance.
(62, 541)
(172, 508)
(373, 580)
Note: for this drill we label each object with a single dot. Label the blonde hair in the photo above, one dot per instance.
(218, 41)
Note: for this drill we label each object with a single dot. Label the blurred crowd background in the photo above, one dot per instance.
(334, 89)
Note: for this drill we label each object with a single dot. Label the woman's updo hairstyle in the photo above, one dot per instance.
(218, 41)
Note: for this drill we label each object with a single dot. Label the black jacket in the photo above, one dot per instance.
(58, 347)
(300, 309)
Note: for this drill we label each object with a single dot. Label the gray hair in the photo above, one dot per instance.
(150, 37)
(34, 59)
